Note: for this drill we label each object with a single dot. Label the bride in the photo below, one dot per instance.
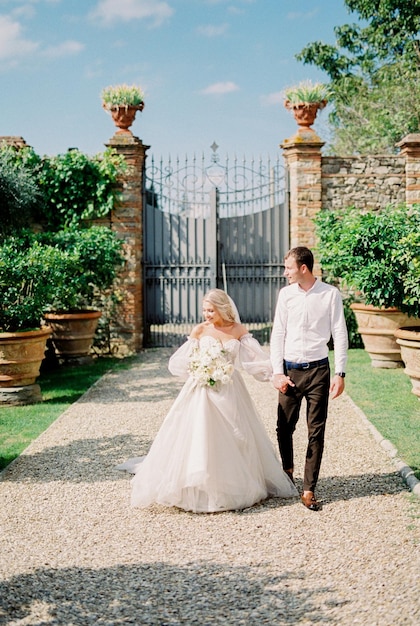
(212, 452)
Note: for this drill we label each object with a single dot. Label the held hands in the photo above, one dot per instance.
(282, 382)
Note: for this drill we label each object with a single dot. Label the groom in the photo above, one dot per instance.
(308, 313)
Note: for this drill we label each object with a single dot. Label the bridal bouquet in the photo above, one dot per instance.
(210, 366)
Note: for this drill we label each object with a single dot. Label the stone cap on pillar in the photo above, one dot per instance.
(14, 141)
(303, 137)
(410, 144)
(126, 139)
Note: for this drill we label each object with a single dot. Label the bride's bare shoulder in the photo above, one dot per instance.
(241, 330)
(198, 330)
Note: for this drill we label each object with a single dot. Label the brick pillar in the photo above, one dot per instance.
(302, 154)
(410, 149)
(127, 221)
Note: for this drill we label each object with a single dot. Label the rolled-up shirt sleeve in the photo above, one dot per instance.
(339, 332)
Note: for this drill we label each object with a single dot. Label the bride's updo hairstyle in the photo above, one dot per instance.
(220, 300)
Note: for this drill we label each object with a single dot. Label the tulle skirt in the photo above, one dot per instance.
(212, 453)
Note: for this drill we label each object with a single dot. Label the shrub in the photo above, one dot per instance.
(376, 254)
(28, 273)
(76, 187)
(94, 258)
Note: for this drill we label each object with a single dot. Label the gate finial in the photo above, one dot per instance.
(215, 156)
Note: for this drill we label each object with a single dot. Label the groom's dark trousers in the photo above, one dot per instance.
(312, 384)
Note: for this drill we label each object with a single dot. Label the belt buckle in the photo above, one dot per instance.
(305, 366)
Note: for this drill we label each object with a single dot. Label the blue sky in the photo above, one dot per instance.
(212, 70)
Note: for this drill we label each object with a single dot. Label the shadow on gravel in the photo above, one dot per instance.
(80, 461)
(334, 488)
(95, 460)
(164, 594)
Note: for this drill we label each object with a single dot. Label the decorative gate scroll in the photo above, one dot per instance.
(212, 225)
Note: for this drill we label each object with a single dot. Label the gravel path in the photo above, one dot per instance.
(73, 552)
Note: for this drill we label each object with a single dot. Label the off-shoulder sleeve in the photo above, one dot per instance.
(254, 359)
(178, 363)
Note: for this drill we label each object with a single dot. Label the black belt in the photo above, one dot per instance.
(289, 365)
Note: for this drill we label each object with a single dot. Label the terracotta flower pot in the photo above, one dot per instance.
(377, 327)
(305, 113)
(73, 333)
(124, 117)
(21, 355)
(408, 338)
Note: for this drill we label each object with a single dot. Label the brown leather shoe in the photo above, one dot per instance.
(308, 499)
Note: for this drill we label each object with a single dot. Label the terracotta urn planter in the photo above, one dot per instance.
(21, 355)
(408, 338)
(72, 334)
(124, 117)
(377, 327)
(305, 113)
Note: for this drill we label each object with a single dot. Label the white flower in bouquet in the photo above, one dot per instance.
(210, 365)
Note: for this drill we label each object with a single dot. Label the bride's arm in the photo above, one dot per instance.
(178, 362)
(254, 359)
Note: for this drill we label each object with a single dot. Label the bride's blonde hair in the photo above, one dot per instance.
(220, 300)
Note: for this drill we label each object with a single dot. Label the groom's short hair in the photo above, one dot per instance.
(303, 256)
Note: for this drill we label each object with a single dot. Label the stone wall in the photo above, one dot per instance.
(364, 182)
(318, 182)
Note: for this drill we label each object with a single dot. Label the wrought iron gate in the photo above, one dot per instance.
(212, 226)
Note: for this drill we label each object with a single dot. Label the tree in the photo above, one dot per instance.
(374, 70)
(19, 193)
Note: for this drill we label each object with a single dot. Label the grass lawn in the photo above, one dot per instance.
(383, 395)
(19, 425)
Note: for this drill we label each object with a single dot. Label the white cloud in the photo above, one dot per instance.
(109, 11)
(13, 45)
(220, 88)
(65, 48)
(212, 31)
(273, 98)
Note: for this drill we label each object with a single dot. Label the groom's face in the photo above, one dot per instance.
(292, 271)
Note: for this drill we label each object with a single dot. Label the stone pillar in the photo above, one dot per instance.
(410, 149)
(127, 221)
(302, 154)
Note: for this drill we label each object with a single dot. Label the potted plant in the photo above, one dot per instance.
(28, 271)
(94, 256)
(362, 251)
(304, 100)
(63, 269)
(24, 282)
(408, 337)
(123, 102)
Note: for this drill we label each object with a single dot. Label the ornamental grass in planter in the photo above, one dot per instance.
(123, 102)
(305, 100)
(373, 256)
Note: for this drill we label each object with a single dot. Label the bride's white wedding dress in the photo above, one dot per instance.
(212, 452)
